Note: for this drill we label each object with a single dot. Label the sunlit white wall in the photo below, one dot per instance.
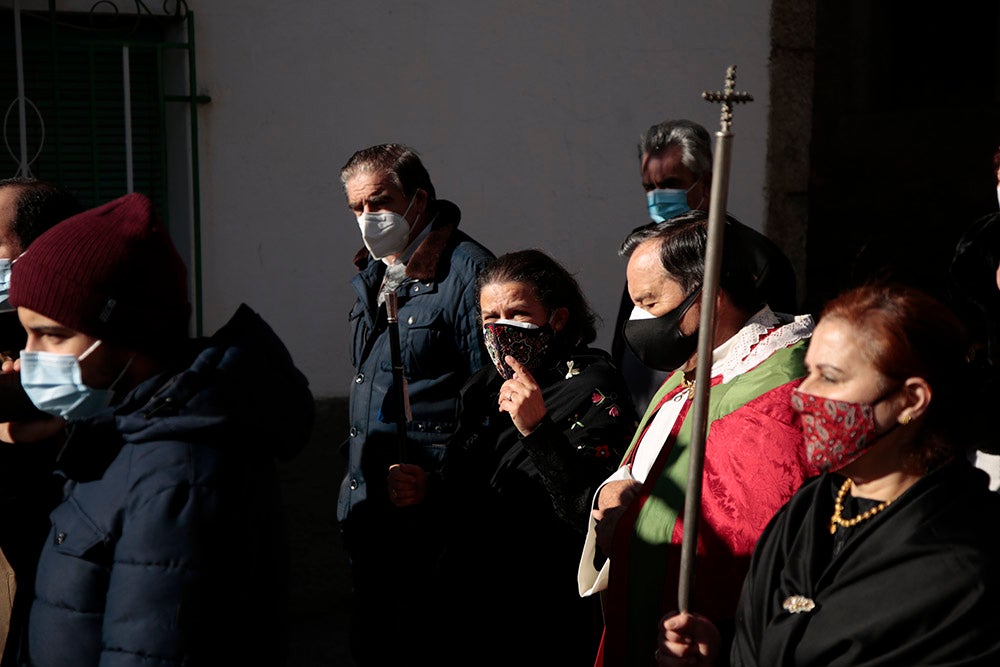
(526, 115)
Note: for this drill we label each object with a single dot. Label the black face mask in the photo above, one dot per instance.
(658, 342)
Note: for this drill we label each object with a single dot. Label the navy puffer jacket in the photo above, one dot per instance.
(169, 547)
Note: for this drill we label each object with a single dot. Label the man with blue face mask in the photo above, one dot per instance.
(169, 544)
(414, 249)
(675, 160)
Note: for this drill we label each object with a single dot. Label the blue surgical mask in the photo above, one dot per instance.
(54, 383)
(666, 203)
(5, 306)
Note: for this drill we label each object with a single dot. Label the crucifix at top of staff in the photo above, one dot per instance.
(706, 329)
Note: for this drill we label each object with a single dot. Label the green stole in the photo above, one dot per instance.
(648, 556)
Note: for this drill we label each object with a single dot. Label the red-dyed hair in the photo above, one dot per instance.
(905, 332)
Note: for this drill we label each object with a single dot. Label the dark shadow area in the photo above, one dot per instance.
(320, 579)
(905, 124)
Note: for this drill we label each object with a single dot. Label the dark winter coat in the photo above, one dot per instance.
(169, 546)
(441, 347)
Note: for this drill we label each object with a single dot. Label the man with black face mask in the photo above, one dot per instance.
(754, 457)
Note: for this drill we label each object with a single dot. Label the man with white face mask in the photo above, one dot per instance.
(171, 518)
(413, 247)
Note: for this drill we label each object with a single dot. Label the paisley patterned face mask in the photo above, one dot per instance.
(837, 433)
(524, 341)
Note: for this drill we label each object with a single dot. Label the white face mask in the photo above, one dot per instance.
(384, 232)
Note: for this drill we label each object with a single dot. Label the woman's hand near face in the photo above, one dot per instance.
(521, 397)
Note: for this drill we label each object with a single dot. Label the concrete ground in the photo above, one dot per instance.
(320, 580)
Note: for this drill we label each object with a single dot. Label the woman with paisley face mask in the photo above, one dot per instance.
(536, 435)
(888, 557)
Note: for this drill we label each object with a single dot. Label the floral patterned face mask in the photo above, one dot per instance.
(837, 433)
(524, 341)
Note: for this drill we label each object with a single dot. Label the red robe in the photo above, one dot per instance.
(754, 462)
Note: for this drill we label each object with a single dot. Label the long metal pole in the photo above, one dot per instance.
(127, 94)
(22, 123)
(706, 339)
(706, 335)
(195, 173)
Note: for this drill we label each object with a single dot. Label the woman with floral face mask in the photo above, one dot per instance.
(537, 434)
(889, 557)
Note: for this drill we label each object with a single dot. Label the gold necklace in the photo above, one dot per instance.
(838, 507)
(689, 386)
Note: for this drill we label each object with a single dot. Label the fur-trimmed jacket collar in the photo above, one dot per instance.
(424, 262)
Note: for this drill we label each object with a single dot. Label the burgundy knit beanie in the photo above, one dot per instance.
(112, 273)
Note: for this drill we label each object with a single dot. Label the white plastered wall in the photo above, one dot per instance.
(526, 114)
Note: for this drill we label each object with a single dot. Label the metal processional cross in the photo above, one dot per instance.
(728, 96)
(706, 328)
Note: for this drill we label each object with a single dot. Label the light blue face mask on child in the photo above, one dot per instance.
(54, 383)
(5, 306)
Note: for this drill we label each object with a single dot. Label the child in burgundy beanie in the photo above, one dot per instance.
(111, 272)
(169, 545)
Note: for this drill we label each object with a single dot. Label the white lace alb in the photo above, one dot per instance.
(753, 344)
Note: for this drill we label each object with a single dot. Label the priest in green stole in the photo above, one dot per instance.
(754, 457)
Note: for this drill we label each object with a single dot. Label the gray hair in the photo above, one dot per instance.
(693, 140)
(400, 163)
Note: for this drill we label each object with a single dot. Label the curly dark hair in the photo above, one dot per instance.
(39, 206)
(905, 332)
(551, 284)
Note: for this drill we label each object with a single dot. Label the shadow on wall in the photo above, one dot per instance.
(320, 579)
